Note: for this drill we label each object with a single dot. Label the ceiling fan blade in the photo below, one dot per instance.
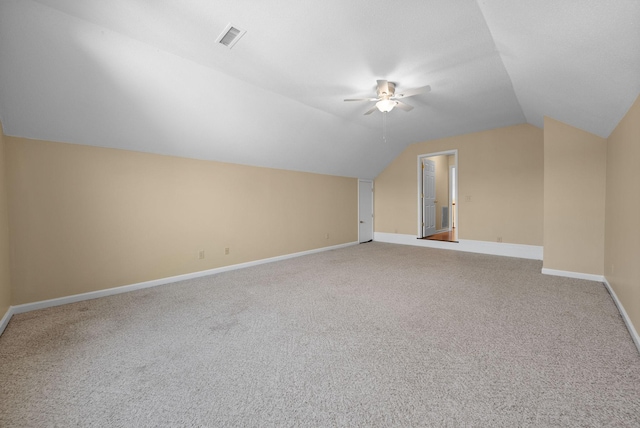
(361, 99)
(414, 91)
(403, 106)
(371, 110)
(383, 87)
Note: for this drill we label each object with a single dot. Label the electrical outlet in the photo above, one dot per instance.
(201, 254)
(499, 238)
(226, 251)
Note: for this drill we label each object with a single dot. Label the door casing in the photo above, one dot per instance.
(428, 197)
(365, 210)
(420, 189)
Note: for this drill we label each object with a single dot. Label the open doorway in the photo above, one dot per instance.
(437, 196)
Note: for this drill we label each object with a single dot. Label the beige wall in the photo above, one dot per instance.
(5, 277)
(574, 198)
(500, 170)
(86, 218)
(622, 217)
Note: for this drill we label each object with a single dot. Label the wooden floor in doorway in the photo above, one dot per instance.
(449, 236)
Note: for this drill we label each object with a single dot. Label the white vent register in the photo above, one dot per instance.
(230, 36)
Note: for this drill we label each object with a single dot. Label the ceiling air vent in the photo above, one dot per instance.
(230, 36)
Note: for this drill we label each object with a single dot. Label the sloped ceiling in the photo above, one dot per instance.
(147, 75)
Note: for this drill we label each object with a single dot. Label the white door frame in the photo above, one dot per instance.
(428, 196)
(369, 184)
(452, 213)
(419, 178)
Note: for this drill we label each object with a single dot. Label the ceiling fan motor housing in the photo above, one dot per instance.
(391, 90)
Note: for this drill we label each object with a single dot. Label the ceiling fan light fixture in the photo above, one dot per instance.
(387, 99)
(386, 105)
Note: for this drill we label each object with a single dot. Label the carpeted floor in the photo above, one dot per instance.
(370, 335)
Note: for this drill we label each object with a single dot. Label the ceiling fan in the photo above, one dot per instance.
(387, 98)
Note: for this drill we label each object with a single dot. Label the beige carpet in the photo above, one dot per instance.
(370, 335)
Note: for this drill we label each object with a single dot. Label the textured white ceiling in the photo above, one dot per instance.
(146, 74)
(574, 60)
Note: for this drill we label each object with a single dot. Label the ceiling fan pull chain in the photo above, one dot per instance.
(384, 127)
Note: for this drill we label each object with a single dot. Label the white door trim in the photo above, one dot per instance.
(419, 179)
(370, 186)
(453, 221)
(428, 196)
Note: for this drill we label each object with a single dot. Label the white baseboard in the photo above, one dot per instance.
(522, 251)
(632, 330)
(380, 237)
(5, 319)
(147, 284)
(576, 275)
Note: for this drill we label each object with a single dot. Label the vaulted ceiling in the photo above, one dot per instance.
(148, 75)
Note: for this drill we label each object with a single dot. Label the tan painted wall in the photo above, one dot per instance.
(5, 277)
(87, 218)
(622, 217)
(501, 170)
(574, 198)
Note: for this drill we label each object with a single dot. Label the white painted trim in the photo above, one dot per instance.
(372, 213)
(632, 330)
(420, 186)
(5, 319)
(147, 284)
(576, 275)
(428, 155)
(522, 251)
(453, 177)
